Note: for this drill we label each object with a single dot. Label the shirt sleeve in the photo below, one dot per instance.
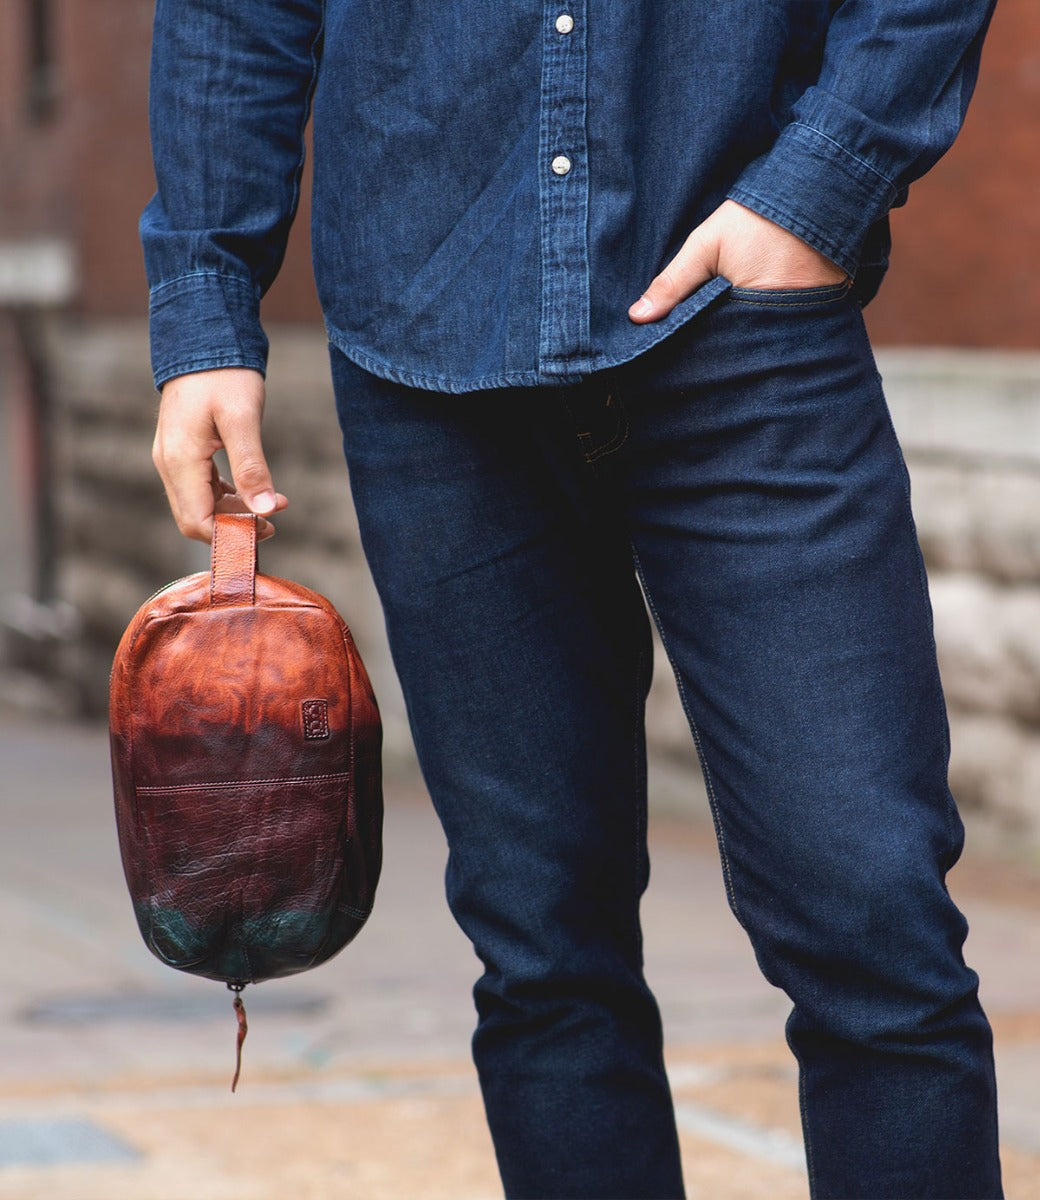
(893, 90)
(231, 84)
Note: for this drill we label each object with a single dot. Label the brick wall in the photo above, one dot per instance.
(35, 146)
(965, 246)
(962, 272)
(82, 169)
(107, 81)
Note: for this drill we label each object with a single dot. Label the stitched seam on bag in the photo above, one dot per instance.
(243, 943)
(349, 650)
(213, 571)
(241, 783)
(217, 598)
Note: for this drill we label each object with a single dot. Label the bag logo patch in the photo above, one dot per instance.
(315, 719)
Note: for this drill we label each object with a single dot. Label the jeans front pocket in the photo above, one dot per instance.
(812, 297)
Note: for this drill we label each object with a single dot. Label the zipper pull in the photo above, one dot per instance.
(243, 1029)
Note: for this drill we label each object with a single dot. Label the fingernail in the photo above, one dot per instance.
(642, 307)
(265, 502)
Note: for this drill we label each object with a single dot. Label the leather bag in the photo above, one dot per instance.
(245, 745)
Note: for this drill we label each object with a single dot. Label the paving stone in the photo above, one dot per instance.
(52, 1141)
(357, 1084)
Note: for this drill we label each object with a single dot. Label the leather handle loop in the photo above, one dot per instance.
(232, 579)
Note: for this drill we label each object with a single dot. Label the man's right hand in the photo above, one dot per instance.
(200, 414)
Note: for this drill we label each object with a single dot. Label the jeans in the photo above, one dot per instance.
(744, 478)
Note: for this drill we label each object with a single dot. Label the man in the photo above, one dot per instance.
(548, 386)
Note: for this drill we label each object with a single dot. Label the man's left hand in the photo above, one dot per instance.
(749, 250)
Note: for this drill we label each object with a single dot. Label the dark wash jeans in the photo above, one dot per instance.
(745, 470)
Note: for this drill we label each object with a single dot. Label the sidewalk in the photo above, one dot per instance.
(356, 1085)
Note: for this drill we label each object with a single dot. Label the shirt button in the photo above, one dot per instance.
(561, 164)
(564, 23)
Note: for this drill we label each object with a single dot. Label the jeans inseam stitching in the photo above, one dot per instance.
(705, 768)
(639, 764)
(803, 1107)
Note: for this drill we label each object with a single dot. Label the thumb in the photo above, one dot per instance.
(695, 264)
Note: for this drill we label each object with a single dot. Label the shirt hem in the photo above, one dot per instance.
(567, 374)
(432, 383)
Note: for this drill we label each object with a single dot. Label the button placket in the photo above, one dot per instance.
(563, 187)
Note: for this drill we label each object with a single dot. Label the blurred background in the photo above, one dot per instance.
(85, 534)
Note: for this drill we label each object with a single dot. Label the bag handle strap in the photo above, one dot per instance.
(232, 579)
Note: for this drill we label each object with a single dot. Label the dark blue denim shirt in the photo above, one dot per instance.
(496, 183)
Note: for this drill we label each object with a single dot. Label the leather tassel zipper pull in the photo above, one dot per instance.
(243, 1029)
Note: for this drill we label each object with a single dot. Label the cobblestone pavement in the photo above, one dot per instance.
(114, 1071)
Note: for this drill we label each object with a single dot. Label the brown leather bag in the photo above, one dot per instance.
(246, 768)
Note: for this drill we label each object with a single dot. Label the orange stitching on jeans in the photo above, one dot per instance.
(616, 442)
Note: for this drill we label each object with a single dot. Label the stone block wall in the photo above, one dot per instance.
(970, 426)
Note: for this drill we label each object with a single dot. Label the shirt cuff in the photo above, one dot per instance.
(205, 320)
(814, 187)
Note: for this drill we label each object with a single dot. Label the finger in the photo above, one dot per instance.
(199, 413)
(225, 499)
(188, 479)
(218, 486)
(691, 267)
(227, 488)
(240, 431)
(233, 503)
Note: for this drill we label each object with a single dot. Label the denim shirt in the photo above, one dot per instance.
(494, 184)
